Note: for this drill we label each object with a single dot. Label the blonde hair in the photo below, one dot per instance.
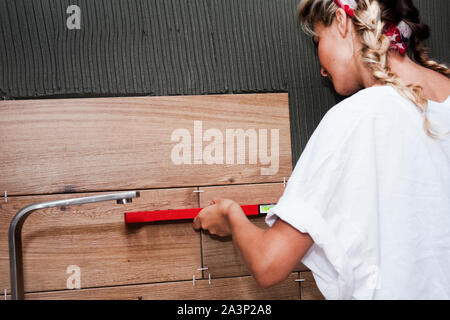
(369, 21)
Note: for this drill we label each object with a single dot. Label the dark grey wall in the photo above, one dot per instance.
(174, 47)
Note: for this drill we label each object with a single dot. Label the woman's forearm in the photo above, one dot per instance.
(269, 254)
(250, 242)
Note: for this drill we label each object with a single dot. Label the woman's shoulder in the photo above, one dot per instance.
(362, 111)
(385, 104)
(350, 115)
(379, 99)
(364, 104)
(370, 100)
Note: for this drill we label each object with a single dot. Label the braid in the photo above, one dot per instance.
(421, 56)
(375, 45)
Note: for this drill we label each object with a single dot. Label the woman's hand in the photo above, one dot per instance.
(214, 217)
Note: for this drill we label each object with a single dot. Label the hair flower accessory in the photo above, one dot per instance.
(398, 34)
(349, 6)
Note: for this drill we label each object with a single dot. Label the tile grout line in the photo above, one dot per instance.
(201, 236)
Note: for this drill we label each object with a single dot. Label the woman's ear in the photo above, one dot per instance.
(341, 22)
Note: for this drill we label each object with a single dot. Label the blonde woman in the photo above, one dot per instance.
(367, 207)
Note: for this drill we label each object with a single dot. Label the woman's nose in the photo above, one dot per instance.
(323, 72)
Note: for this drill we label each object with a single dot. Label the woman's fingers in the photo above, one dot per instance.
(197, 223)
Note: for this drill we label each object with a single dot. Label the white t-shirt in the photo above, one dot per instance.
(373, 192)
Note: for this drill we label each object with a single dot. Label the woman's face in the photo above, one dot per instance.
(337, 59)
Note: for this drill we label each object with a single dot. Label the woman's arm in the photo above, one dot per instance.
(270, 254)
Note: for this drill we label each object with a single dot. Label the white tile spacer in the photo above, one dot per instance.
(6, 196)
(198, 191)
(193, 280)
(209, 278)
(5, 293)
(299, 280)
(200, 269)
(284, 182)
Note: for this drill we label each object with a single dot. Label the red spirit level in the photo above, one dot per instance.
(183, 214)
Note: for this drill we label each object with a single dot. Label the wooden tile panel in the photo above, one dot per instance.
(100, 144)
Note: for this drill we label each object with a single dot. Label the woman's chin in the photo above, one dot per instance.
(345, 91)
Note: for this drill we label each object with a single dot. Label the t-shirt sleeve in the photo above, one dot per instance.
(318, 172)
(317, 198)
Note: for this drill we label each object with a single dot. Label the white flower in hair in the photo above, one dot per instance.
(405, 30)
(352, 4)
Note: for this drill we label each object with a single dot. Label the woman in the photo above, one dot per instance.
(367, 207)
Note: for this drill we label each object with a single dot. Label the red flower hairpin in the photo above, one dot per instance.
(349, 6)
(398, 34)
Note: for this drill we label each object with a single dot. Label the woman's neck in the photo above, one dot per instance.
(435, 86)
